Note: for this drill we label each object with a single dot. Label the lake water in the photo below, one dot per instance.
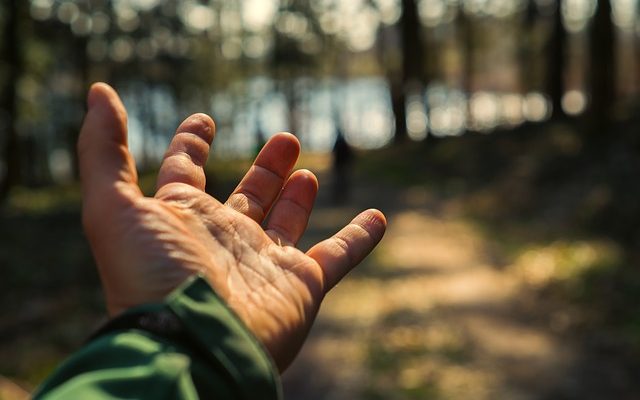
(248, 112)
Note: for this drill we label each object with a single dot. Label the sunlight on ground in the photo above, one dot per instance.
(430, 316)
(11, 391)
(559, 261)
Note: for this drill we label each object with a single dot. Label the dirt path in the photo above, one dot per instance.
(438, 311)
(433, 314)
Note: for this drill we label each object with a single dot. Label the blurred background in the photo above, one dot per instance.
(500, 137)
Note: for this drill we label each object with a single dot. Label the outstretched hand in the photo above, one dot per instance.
(146, 246)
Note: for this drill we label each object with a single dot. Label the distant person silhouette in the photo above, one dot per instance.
(343, 156)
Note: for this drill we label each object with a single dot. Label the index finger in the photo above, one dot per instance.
(263, 182)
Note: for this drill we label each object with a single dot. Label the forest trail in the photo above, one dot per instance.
(439, 312)
(442, 309)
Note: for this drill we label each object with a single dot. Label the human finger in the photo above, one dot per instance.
(344, 250)
(290, 214)
(188, 152)
(107, 168)
(263, 182)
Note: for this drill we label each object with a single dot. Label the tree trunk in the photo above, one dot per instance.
(412, 65)
(8, 100)
(466, 45)
(602, 72)
(398, 106)
(556, 63)
(412, 46)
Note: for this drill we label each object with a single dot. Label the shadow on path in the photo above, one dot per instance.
(434, 313)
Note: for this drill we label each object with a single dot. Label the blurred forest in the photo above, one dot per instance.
(411, 69)
(520, 118)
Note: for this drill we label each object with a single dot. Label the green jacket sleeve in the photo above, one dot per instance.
(220, 359)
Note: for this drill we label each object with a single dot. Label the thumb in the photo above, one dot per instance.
(107, 168)
(347, 248)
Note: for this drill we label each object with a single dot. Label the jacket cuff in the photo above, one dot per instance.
(224, 339)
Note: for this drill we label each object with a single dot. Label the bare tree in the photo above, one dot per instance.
(12, 54)
(602, 71)
(556, 62)
(410, 68)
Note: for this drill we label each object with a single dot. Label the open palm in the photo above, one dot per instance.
(146, 246)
